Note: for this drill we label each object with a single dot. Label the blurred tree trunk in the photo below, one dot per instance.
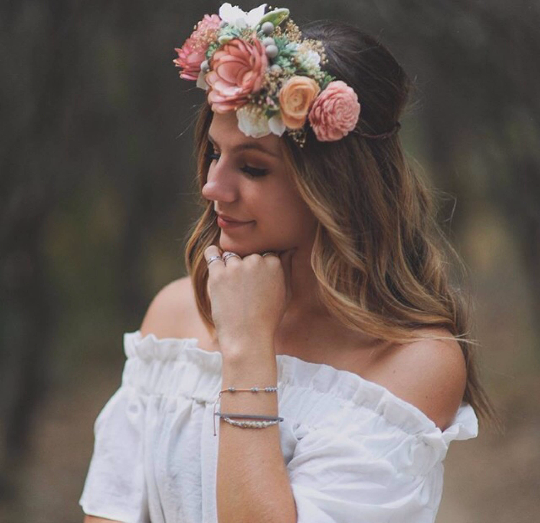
(489, 90)
(33, 171)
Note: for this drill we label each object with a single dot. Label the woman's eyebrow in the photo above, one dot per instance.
(248, 145)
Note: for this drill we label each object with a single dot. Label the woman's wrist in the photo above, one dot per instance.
(248, 349)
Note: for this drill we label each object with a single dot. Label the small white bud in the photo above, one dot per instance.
(267, 28)
(272, 51)
(268, 41)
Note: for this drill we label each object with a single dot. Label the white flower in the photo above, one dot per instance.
(312, 58)
(252, 122)
(235, 15)
(309, 60)
(276, 125)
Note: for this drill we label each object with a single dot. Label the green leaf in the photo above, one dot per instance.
(276, 16)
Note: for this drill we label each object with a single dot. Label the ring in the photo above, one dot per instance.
(269, 253)
(213, 258)
(228, 255)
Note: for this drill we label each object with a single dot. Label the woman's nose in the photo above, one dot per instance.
(221, 184)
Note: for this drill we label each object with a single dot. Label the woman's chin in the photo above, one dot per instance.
(240, 248)
(241, 251)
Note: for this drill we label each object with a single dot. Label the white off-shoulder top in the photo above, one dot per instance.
(354, 451)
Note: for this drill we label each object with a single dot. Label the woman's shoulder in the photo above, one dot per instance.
(171, 311)
(430, 374)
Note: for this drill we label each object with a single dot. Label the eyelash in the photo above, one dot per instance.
(250, 171)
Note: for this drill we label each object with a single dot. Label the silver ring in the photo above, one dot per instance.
(270, 253)
(228, 255)
(213, 258)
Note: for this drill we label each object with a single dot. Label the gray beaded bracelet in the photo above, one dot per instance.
(251, 389)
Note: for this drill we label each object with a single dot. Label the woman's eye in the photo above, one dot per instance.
(254, 172)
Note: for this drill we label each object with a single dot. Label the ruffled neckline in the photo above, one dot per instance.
(294, 372)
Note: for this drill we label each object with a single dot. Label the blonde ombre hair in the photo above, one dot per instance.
(380, 258)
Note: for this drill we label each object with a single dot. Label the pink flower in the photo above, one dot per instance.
(236, 70)
(335, 112)
(193, 52)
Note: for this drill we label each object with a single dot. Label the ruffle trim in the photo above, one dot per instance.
(314, 394)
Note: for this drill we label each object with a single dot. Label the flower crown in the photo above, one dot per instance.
(259, 65)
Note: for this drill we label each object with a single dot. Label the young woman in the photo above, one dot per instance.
(315, 364)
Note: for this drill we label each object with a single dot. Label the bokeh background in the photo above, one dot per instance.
(97, 193)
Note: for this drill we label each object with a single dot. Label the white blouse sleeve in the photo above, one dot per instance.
(115, 485)
(337, 479)
(368, 456)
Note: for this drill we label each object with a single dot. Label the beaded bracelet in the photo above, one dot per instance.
(246, 424)
(267, 421)
(252, 389)
(251, 424)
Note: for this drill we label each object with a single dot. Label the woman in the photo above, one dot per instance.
(316, 275)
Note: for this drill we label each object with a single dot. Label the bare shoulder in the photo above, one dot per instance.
(429, 374)
(171, 310)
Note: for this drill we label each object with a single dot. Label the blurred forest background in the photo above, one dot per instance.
(97, 193)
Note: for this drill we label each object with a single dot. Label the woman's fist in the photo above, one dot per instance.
(248, 295)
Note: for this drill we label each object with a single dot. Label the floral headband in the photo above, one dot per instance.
(259, 65)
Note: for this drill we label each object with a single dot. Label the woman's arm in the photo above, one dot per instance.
(252, 479)
(249, 297)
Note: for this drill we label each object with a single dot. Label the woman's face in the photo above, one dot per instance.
(251, 185)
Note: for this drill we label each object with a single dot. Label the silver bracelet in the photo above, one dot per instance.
(251, 424)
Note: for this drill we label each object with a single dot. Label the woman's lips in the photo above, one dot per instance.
(226, 224)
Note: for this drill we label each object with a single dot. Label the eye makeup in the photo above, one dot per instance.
(253, 172)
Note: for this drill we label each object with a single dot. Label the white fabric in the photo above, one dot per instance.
(354, 451)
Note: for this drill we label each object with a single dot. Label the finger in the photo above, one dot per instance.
(228, 259)
(209, 254)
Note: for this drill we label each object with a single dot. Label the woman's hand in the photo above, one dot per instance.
(248, 295)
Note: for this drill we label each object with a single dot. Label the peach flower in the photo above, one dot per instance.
(193, 52)
(295, 99)
(236, 70)
(335, 112)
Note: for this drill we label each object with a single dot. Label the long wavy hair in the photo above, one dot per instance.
(380, 258)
